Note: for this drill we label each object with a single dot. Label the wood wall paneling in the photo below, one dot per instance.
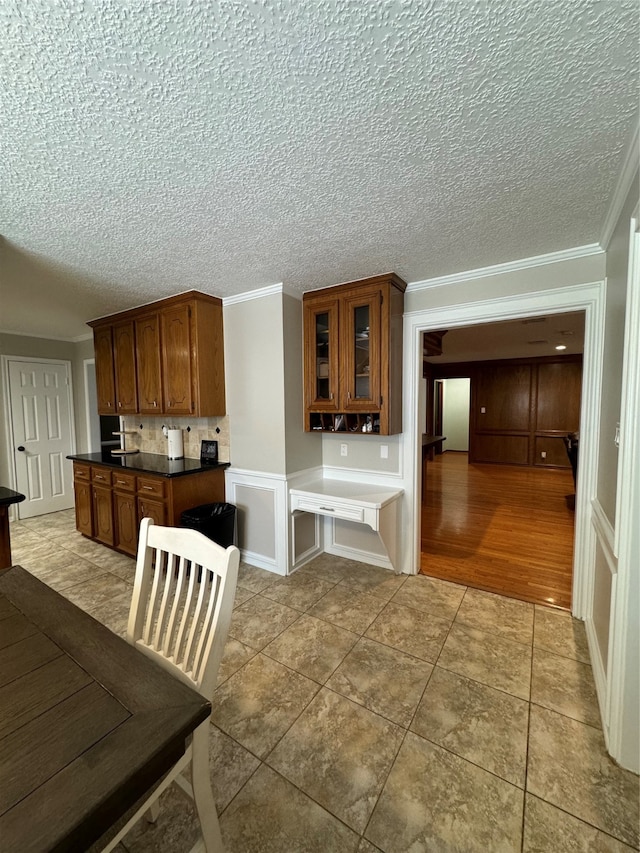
(558, 392)
(502, 448)
(529, 405)
(504, 392)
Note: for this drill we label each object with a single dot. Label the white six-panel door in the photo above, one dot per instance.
(40, 404)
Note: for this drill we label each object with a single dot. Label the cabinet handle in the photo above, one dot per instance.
(155, 403)
(328, 508)
(119, 404)
(348, 395)
(148, 488)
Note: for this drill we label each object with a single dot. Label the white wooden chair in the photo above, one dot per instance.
(180, 613)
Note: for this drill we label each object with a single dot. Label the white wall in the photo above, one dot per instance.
(455, 413)
(617, 502)
(254, 364)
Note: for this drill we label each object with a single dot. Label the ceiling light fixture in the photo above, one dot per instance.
(561, 346)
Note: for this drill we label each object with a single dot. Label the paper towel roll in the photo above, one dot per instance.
(176, 447)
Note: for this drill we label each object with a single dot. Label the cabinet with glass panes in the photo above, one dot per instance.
(353, 356)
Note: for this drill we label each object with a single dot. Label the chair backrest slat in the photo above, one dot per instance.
(183, 598)
(204, 641)
(185, 621)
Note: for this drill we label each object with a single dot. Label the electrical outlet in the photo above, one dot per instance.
(543, 453)
(344, 450)
(384, 451)
(483, 411)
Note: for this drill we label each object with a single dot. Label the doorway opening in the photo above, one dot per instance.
(41, 432)
(497, 509)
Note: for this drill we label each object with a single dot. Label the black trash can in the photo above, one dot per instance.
(217, 521)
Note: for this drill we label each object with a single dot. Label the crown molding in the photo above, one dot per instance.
(508, 267)
(630, 163)
(45, 337)
(259, 293)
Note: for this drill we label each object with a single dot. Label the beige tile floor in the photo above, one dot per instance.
(359, 711)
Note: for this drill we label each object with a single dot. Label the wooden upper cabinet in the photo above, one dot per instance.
(163, 358)
(176, 360)
(353, 356)
(105, 376)
(148, 365)
(124, 357)
(321, 355)
(363, 345)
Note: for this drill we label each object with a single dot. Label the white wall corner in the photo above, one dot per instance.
(629, 167)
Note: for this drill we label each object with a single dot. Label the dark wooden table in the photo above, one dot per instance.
(87, 723)
(7, 497)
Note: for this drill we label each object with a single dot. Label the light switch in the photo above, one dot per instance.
(483, 411)
(384, 451)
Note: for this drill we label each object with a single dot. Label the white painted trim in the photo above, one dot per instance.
(605, 533)
(261, 562)
(630, 160)
(240, 473)
(310, 553)
(589, 297)
(508, 267)
(4, 371)
(599, 675)
(85, 363)
(356, 475)
(624, 638)
(356, 553)
(260, 293)
(304, 474)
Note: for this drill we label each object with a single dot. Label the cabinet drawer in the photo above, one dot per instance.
(81, 472)
(101, 475)
(151, 487)
(124, 482)
(328, 506)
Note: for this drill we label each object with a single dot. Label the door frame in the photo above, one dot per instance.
(88, 410)
(590, 298)
(6, 393)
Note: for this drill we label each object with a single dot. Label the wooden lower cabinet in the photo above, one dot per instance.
(102, 514)
(84, 509)
(111, 503)
(156, 510)
(125, 517)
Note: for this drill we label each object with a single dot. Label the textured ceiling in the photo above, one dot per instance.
(532, 337)
(150, 148)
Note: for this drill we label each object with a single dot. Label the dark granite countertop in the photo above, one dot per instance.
(8, 496)
(147, 463)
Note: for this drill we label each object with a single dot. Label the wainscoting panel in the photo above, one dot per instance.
(261, 501)
(598, 625)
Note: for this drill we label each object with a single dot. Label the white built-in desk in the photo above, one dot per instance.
(376, 506)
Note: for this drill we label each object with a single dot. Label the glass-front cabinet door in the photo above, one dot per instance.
(362, 346)
(321, 354)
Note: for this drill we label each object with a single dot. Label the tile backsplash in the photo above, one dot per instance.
(147, 434)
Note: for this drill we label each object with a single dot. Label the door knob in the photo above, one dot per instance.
(21, 448)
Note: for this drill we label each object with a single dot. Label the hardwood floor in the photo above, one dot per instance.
(500, 528)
